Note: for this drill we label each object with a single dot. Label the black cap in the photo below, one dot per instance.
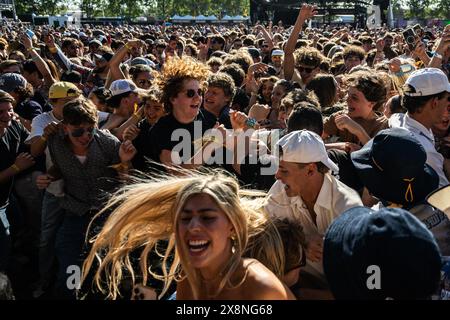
(391, 239)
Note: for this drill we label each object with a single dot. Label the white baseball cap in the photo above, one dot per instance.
(305, 147)
(426, 82)
(277, 53)
(122, 86)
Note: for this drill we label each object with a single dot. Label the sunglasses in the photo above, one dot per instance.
(74, 47)
(307, 70)
(190, 93)
(77, 133)
(264, 46)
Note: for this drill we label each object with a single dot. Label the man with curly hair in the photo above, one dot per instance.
(182, 85)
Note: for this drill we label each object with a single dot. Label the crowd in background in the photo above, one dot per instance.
(355, 122)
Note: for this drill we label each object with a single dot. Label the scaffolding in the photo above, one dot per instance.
(287, 10)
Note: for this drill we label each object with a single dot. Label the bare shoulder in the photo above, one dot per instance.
(263, 284)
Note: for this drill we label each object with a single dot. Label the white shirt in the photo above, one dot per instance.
(37, 129)
(426, 139)
(334, 198)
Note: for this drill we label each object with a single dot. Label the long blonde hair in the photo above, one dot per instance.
(147, 212)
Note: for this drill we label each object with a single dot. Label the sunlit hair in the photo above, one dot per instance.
(176, 70)
(80, 111)
(149, 210)
(308, 56)
(6, 97)
(371, 85)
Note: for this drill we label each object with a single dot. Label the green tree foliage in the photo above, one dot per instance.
(134, 8)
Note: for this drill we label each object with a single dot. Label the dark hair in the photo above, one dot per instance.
(240, 100)
(115, 101)
(327, 47)
(247, 42)
(371, 85)
(234, 71)
(223, 81)
(30, 67)
(102, 94)
(80, 111)
(72, 77)
(24, 93)
(324, 86)
(219, 54)
(137, 69)
(396, 105)
(299, 95)
(305, 116)
(308, 56)
(415, 104)
(294, 242)
(353, 50)
(288, 86)
(117, 44)
(242, 58)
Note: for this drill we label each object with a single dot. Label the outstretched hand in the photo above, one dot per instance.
(307, 11)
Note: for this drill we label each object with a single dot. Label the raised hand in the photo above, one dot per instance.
(307, 11)
(27, 42)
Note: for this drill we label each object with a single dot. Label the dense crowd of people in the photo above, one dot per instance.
(224, 162)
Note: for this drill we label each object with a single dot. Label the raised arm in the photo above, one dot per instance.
(37, 59)
(306, 12)
(114, 64)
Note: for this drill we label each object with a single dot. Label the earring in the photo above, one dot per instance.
(233, 245)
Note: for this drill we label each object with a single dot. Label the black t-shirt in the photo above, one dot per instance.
(28, 109)
(224, 118)
(160, 137)
(139, 161)
(11, 144)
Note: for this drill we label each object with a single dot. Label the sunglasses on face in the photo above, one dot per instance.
(74, 47)
(190, 93)
(304, 69)
(77, 133)
(265, 46)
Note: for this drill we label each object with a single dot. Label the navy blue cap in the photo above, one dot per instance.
(391, 239)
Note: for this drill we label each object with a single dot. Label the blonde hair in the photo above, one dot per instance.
(148, 211)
